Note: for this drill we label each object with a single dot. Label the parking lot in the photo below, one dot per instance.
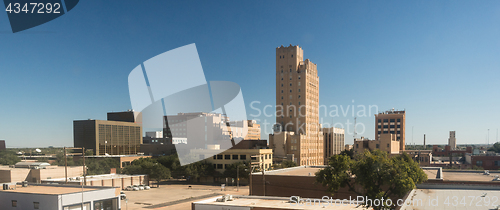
(175, 196)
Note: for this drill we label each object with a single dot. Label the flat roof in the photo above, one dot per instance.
(276, 203)
(48, 190)
(295, 171)
(469, 176)
(420, 199)
(92, 177)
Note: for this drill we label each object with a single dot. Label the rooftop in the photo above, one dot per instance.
(91, 178)
(420, 199)
(269, 202)
(51, 189)
(295, 171)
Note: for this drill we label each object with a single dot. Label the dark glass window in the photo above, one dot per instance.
(14, 203)
(235, 157)
(219, 157)
(386, 126)
(227, 157)
(378, 146)
(36, 205)
(379, 126)
(379, 120)
(379, 132)
(215, 157)
(392, 126)
(219, 166)
(399, 126)
(392, 120)
(399, 120)
(386, 132)
(243, 157)
(386, 120)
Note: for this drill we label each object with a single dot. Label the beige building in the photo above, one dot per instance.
(386, 142)
(108, 137)
(391, 122)
(253, 130)
(348, 147)
(297, 133)
(35, 175)
(333, 142)
(452, 141)
(222, 160)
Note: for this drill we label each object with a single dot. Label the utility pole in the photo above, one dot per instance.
(65, 166)
(238, 178)
(84, 167)
(488, 137)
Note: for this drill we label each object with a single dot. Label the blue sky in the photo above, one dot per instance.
(439, 60)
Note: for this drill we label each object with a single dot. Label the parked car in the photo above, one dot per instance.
(122, 195)
(138, 187)
(145, 187)
(129, 188)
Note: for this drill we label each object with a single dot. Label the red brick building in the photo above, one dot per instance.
(438, 152)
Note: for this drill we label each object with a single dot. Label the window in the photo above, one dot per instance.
(379, 126)
(299, 103)
(243, 157)
(281, 78)
(290, 84)
(392, 120)
(215, 157)
(388, 145)
(357, 146)
(226, 166)
(292, 56)
(399, 132)
(379, 132)
(281, 91)
(299, 90)
(219, 166)
(392, 126)
(479, 163)
(253, 158)
(386, 132)
(386, 126)
(281, 97)
(36, 205)
(379, 120)
(235, 157)
(299, 96)
(290, 91)
(219, 157)
(386, 120)
(227, 157)
(14, 203)
(497, 163)
(399, 120)
(290, 70)
(281, 85)
(378, 146)
(399, 126)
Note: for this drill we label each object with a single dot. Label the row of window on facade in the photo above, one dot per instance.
(391, 120)
(226, 166)
(391, 126)
(241, 157)
(392, 132)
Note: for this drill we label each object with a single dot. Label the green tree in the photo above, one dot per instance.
(8, 158)
(349, 153)
(151, 167)
(377, 174)
(101, 166)
(239, 167)
(285, 164)
(495, 148)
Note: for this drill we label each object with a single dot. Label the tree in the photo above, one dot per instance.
(495, 148)
(285, 164)
(101, 166)
(8, 158)
(151, 167)
(239, 167)
(377, 174)
(349, 153)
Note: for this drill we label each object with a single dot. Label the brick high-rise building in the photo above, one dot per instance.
(393, 122)
(297, 135)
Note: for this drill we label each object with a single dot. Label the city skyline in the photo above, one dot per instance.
(438, 61)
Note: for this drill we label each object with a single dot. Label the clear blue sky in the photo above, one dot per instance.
(439, 60)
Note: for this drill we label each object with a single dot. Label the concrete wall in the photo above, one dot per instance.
(25, 201)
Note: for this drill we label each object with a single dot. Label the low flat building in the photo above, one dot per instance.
(222, 160)
(448, 151)
(488, 161)
(35, 175)
(125, 160)
(107, 180)
(269, 203)
(60, 197)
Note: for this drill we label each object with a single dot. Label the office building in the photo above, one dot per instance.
(59, 197)
(452, 141)
(391, 122)
(386, 142)
(253, 130)
(2, 145)
(297, 134)
(333, 142)
(108, 137)
(128, 116)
